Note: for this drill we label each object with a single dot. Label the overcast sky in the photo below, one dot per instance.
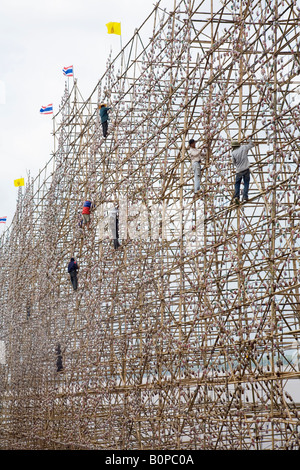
(38, 39)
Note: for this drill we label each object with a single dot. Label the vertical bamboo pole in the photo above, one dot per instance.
(273, 227)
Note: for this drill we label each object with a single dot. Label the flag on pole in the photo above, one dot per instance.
(47, 109)
(3, 220)
(114, 28)
(68, 71)
(19, 182)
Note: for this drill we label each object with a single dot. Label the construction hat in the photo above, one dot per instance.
(235, 143)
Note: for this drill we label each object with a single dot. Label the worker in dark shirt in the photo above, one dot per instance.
(72, 269)
(59, 364)
(104, 118)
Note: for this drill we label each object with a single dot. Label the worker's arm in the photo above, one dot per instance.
(250, 144)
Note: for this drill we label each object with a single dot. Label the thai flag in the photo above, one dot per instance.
(47, 109)
(3, 220)
(68, 71)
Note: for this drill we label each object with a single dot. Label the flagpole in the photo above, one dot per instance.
(121, 51)
(110, 29)
(69, 77)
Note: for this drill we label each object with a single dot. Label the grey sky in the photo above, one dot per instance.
(37, 39)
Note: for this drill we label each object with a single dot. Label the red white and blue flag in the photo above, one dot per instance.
(47, 109)
(3, 220)
(68, 71)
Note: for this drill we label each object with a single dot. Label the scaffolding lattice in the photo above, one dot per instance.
(187, 336)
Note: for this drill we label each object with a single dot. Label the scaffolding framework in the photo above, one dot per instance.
(187, 336)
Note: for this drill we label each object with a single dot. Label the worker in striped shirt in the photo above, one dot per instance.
(241, 163)
(86, 212)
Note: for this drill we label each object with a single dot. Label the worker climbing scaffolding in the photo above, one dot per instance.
(72, 270)
(104, 118)
(195, 156)
(59, 364)
(88, 206)
(241, 162)
(114, 226)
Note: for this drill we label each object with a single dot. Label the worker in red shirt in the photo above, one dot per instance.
(86, 212)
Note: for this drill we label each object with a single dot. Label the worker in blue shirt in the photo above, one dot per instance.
(72, 270)
(104, 118)
(241, 162)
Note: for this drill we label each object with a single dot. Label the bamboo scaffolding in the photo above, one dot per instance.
(186, 337)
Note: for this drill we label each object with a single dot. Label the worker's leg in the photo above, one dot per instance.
(246, 178)
(197, 176)
(72, 278)
(73, 275)
(59, 363)
(86, 219)
(238, 179)
(75, 281)
(116, 243)
(105, 127)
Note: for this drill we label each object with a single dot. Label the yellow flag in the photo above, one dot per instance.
(114, 28)
(19, 182)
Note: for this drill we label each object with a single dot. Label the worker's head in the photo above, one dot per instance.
(235, 144)
(72, 259)
(192, 143)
